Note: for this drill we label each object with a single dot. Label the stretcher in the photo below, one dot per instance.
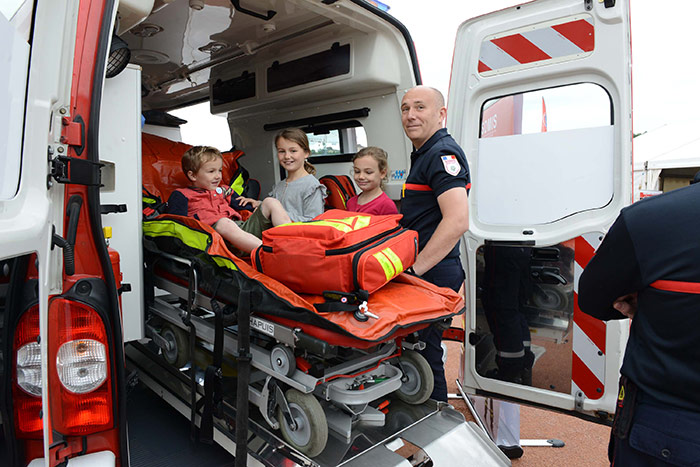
(305, 371)
(311, 371)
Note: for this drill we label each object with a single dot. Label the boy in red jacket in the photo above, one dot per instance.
(210, 202)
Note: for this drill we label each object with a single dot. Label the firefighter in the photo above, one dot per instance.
(434, 203)
(648, 269)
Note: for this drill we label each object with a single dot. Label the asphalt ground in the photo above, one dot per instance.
(586, 443)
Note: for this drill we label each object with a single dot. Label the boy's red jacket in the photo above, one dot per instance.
(204, 205)
(337, 251)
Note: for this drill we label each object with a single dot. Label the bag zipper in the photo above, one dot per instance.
(362, 244)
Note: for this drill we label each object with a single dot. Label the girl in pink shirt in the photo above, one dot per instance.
(370, 172)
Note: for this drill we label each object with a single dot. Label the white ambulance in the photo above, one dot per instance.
(80, 321)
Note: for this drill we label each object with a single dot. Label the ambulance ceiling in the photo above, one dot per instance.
(182, 40)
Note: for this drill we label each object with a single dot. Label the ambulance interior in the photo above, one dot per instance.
(336, 74)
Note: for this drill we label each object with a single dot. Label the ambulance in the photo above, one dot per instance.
(539, 99)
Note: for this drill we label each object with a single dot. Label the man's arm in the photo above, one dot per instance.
(454, 207)
(611, 276)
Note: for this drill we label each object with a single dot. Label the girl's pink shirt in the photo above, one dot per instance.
(381, 205)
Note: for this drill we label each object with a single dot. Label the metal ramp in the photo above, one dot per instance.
(430, 434)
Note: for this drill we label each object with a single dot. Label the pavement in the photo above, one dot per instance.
(586, 443)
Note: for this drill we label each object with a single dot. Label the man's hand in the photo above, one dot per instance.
(627, 304)
(246, 201)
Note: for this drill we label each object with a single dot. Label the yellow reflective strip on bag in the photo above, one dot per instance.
(345, 225)
(396, 261)
(386, 264)
(237, 184)
(149, 200)
(225, 262)
(167, 228)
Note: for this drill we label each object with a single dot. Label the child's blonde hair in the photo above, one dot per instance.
(296, 135)
(195, 156)
(379, 155)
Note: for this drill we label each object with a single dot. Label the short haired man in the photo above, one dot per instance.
(434, 203)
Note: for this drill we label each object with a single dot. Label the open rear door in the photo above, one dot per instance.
(540, 100)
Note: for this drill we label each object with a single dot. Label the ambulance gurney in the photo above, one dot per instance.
(311, 370)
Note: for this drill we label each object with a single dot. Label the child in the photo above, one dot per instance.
(210, 202)
(369, 170)
(301, 194)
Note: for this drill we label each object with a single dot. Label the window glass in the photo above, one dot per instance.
(328, 143)
(545, 155)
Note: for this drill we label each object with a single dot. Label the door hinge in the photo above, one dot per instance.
(65, 169)
(73, 133)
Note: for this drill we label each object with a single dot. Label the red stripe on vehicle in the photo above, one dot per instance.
(483, 67)
(579, 32)
(677, 286)
(584, 378)
(593, 328)
(583, 251)
(521, 49)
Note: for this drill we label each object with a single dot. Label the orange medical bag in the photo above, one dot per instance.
(337, 251)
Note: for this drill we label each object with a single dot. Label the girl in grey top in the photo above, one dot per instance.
(300, 193)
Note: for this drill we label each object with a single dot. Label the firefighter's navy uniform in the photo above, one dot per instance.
(653, 248)
(506, 288)
(439, 165)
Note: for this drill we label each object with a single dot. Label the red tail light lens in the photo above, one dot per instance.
(81, 395)
(26, 392)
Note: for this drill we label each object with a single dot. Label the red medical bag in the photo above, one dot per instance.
(337, 251)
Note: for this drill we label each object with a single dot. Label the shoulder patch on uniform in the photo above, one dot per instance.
(451, 164)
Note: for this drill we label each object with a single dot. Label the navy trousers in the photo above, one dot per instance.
(659, 436)
(447, 273)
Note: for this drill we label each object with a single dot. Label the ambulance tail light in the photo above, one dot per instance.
(26, 392)
(81, 396)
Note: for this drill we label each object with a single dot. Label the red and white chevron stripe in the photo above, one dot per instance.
(562, 40)
(588, 365)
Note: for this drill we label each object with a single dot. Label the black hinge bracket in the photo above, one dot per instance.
(65, 169)
(112, 208)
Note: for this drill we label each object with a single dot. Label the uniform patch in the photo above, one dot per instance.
(451, 165)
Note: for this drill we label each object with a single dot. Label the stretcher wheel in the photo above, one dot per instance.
(311, 434)
(550, 297)
(179, 353)
(282, 360)
(417, 384)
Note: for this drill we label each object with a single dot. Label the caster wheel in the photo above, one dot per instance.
(419, 378)
(311, 433)
(179, 353)
(550, 297)
(282, 360)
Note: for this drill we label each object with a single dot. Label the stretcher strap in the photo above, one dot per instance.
(243, 360)
(213, 375)
(341, 301)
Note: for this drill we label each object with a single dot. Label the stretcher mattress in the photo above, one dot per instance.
(404, 305)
